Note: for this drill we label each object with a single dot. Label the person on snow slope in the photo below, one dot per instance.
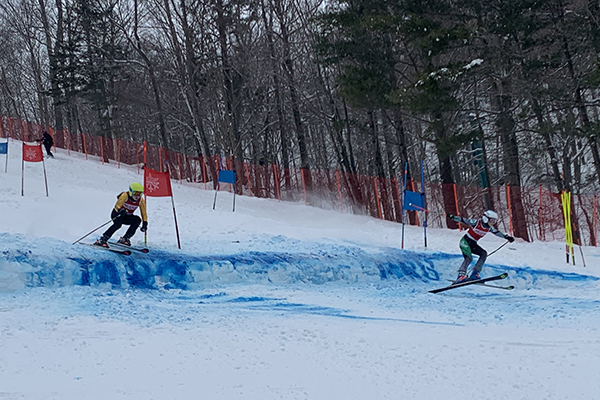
(478, 228)
(122, 214)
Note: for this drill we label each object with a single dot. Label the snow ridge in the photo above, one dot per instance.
(57, 263)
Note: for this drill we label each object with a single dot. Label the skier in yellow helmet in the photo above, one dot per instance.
(122, 214)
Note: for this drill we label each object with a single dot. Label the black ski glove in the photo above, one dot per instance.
(144, 227)
(451, 216)
(509, 238)
(121, 213)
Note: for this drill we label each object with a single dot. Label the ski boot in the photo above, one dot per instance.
(101, 242)
(474, 276)
(460, 279)
(124, 241)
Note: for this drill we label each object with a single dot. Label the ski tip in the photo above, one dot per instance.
(145, 251)
(434, 291)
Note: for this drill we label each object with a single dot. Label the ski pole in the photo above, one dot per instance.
(77, 241)
(505, 243)
(582, 259)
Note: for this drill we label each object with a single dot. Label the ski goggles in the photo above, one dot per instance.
(137, 193)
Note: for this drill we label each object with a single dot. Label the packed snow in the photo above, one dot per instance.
(276, 300)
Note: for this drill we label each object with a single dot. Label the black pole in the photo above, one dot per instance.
(505, 243)
(106, 223)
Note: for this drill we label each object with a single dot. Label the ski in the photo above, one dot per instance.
(125, 247)
(124, 252)
(511, 287)
(475, 282)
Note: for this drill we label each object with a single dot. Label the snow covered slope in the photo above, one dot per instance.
(275, 301)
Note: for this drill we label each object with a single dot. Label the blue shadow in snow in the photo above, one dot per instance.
(298, 308)
(56, 263)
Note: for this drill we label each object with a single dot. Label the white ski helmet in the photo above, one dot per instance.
(488, 215)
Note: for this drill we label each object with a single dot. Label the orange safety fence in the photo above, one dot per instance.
(334, 189)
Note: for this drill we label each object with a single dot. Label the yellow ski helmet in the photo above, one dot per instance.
(136, 188)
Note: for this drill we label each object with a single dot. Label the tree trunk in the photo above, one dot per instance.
(445, 166)
(505, 125)
(379, 164)
(579, 104)
(545, 133)
(187, 70)
(285, 152)
(155, 91)
(231, 109)
(295, 104)
(55, 90)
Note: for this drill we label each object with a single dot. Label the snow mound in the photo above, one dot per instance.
(54, 263)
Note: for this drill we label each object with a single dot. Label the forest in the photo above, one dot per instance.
(486, 93)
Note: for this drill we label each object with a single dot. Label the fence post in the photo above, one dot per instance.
(84, 146)
(377, 197)
(595, 221)
(179, 165)
(400, 211)
(160, 160)
(24, 130)
(102, 148)
(456, 203)
(337, 178)
(248, 179)
(66, 136)
(303, 185)
(276, 182)
(540, 214)
(192, 172)
(510, 221)
(203, 170)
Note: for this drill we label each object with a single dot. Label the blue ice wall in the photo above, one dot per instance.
(27, 262)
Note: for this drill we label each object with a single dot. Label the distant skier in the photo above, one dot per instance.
(122, 214)
(478, 228)
(48, 142)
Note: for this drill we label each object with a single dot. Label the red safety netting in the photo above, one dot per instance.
(541, 216)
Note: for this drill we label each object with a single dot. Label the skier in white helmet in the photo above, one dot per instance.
(478, 228)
